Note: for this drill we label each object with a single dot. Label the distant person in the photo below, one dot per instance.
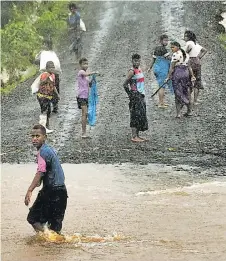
(51, 202)
(75, 32)
(83, 92)
(46, 93)
(195, 52)
(49, 55)
(161, 64)
(134, 87)
(182, 76)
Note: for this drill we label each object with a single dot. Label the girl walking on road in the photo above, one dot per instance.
(134, 87)
(161, 64)
(182, 75)
(83, 92)
(195, 52)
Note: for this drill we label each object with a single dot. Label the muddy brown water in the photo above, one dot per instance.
(156, 212)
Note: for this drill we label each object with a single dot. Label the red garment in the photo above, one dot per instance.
(47, 83)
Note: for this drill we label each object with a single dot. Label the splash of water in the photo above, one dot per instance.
(53, 237)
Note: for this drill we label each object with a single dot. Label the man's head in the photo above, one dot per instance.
(164, 39)
(38, 135)
(136, 60)
(83, 62)
(72, 7)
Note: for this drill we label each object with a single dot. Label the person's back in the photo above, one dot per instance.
(50, 165)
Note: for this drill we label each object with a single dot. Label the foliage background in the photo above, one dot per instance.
(24, 26)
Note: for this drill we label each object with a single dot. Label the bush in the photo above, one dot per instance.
(21, 38)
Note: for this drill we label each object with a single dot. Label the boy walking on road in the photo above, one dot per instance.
(50, 204)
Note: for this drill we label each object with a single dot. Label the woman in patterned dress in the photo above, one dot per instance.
(182, 77)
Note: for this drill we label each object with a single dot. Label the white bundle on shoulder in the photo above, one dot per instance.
(35, 85)
(82, 25)
(47, 56)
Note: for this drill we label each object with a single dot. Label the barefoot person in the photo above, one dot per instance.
(182, 75)
(46, 93)
(50, 204)
(134, 87)
(195, 52)
(161, 64)
(83, 92)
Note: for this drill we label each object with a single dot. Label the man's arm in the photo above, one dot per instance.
(152, 63)
(171, 69)
(35, 183)
(126, 82)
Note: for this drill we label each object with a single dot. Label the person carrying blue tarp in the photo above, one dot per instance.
(161, 64)
(83, 97)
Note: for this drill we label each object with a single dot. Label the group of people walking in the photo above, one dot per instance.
(179, 71)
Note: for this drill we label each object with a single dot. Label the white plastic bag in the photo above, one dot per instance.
(35, 85)
(82, 25)
(47, 56)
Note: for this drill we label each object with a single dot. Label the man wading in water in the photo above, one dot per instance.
(134, 87)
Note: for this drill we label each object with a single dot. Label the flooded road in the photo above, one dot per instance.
(141, 211)
(158, 211)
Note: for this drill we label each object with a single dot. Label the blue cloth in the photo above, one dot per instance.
(93, 101)
(54, 175)
(161, 69)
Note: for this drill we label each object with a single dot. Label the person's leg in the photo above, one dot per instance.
(57, 207)
(36, 216)
(196, 95)
(55, 99)
(161, 96)
(45, 105)
(178, 108)
(48, 113)
(84, 120)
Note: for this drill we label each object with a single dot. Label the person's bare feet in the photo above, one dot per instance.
(144, 139)
(137, 139)
(84, 136)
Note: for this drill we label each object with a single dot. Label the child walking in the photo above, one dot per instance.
(47, 91)
(51, 202)
(134, 87)
(161, 64)
(83, 92)
(195, 52)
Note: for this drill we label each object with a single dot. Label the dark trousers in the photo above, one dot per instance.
(49, 206)
(45, 105)
(55, 99)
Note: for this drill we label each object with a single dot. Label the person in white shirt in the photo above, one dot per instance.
(182, 76)
(42, 58)
(195, 52)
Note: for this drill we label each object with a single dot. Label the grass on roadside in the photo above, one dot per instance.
(222, 39)
(8, 88)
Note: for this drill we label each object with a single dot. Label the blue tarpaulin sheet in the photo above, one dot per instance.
(93, 101)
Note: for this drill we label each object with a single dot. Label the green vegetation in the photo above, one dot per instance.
(222, 39)
(22, 37)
